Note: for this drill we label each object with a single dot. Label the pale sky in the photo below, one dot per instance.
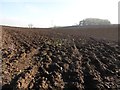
(48, 13)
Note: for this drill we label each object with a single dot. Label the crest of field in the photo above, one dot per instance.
(107, 32)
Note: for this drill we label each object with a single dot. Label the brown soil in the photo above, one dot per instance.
(60, 58)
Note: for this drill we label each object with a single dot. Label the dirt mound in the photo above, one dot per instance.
(48, 59)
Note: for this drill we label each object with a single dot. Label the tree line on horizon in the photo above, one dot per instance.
(94, 21)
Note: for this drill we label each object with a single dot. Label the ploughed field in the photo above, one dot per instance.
(59, 59)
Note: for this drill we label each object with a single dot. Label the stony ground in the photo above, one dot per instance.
(47, 60)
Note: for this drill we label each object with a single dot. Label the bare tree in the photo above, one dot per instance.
(30, 25)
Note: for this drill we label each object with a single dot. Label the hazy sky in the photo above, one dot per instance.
(47, 13)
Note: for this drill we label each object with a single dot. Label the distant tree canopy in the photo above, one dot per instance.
(94, 21)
